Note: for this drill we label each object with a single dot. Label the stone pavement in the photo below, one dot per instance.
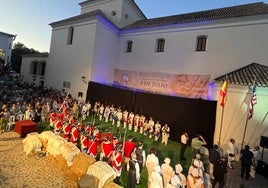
(20, 171)
(235, 181)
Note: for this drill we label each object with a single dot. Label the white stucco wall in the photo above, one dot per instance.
(234, 117)
(6, 41)
(98, 49)
(229, 47)
(26, 67)
(115, 10)
(105, 53)
(71, 62)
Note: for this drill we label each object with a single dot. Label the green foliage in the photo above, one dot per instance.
(18, 50)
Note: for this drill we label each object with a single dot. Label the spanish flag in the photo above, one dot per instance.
(223, 93)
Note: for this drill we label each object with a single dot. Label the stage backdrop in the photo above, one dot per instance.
(182, 114)
(180, 85)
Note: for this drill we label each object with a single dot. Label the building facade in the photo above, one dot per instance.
(6, 41)
(112, 35)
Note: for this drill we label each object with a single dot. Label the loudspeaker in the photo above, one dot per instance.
(262, 168)
(264, 142)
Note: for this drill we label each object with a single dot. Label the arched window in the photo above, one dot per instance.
(201, 43)
(70, 35)
(160, 45)
(129, 46)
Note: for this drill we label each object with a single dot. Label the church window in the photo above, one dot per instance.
(160, 45)
(70, 35)
(201, 43)
(129, 46)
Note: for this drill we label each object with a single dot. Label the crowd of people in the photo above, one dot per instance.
(65, 116)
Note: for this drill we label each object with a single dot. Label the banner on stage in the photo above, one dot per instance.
(182, 85)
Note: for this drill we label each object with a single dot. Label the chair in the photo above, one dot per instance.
(20, 117)
(11, 122)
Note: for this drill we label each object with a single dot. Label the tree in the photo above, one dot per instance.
(17, 51)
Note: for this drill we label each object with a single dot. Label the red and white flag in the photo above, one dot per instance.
(253, 101)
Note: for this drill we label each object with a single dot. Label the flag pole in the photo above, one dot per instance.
(246, 125)
(223, 95)
(222, 112)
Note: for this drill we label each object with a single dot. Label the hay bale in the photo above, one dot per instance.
(31, 143)
(68, 150)
(44, 144)
(87, 181)
(81, 162)
(58, 162)
(71, 174)
(104, 172)
(111, 185)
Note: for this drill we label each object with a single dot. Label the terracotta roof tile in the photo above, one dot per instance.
(245, 75)
(228, 12)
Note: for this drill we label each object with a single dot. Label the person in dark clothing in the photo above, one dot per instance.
(214, 154)
(38, 110)
(246, 161)
(220, 169)
(184, 140)
(133, 169)
(214, 157)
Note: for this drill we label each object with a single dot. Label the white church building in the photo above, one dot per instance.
(113, 41)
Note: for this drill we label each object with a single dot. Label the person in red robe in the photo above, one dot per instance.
(92, 147)
(129, 147)
(66, 130)
(52, 119)
(106, 149)
(74, 135)
(116, 161)
(97, 135)
(58, 126)
(84, 142)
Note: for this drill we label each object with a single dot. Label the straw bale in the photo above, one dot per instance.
(81, 162)
(111, 185)
(71, 174)
(68, 151)
(31, 143)
(44, 144)
(87, 181)
(101, 170)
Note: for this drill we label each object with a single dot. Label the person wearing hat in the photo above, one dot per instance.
(74, 135)
(129, 147)
(179, 179)
(151, 161)
(141, 123)
(194, 180)
(133, 169)
(116, 159)
(136, 122)
(84, 142)
(106, 149)
(165, 133)
(156, 180)
(197, 164)
(167, 171)
(92, 147)
(157, 131)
